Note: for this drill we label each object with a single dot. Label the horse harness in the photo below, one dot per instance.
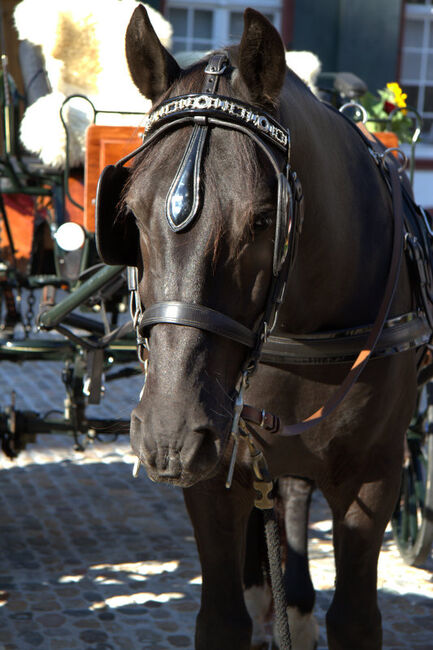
(117, 242)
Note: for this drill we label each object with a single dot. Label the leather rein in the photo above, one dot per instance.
(182, 206)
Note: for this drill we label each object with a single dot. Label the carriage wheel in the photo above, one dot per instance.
(412, 521)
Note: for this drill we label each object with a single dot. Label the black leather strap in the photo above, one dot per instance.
(376, 331)
(183, 198)
(214, 69)
(192, 315)
(342, 346)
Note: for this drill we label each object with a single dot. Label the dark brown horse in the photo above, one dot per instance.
(204, 198)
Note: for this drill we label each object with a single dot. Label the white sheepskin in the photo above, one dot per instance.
(42, 131)
(83, 44)
(306, 65)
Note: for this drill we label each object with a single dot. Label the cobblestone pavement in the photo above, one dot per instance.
(94, 560)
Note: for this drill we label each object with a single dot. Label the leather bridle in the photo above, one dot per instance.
(205, 110)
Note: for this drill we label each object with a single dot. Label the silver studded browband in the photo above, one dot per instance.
(218, 105)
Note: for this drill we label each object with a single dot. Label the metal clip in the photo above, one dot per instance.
(232, 460)
(263, 485)
(239, 405)
(132, 274)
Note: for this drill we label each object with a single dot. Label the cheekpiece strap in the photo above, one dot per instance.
(214, 69)
(183, 199)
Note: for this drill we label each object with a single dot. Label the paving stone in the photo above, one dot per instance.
(93, 636)
(51, 620)
(33, 639)
(179, 641)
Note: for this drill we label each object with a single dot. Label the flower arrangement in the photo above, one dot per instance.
(388, 112)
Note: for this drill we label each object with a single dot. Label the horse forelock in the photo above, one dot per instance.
(220, 176)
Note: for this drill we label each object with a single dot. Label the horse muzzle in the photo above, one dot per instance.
(178, 457)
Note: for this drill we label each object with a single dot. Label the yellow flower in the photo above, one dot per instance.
(399, 96)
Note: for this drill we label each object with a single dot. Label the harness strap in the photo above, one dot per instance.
(365, 354)
(401, 333)
(193, 315)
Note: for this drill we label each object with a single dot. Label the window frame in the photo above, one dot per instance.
(424, 14)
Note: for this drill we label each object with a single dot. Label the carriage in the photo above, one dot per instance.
(81, 316)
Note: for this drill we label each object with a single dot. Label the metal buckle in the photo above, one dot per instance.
(214, 61)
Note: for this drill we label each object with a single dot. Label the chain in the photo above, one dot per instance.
(30, 314)
(136, 311)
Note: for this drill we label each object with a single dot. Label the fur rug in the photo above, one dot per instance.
(83, 45)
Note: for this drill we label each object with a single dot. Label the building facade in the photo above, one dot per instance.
(379, 40)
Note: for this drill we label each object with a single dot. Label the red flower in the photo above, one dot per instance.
(388, 107)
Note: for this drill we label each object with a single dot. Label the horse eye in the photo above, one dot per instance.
(262, 222)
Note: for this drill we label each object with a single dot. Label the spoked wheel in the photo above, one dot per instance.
(412, 521)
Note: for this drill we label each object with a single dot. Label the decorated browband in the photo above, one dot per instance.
(210, 105)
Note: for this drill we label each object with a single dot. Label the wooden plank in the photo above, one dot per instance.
(105, 145)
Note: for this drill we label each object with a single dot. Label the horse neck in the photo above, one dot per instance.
(340, 269)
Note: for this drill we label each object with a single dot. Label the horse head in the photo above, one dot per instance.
(199, 213)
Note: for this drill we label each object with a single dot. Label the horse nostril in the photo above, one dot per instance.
(168, 463)
(136, 420)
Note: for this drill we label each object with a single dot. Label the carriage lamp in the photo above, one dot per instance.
(70, 236)
(70, 250)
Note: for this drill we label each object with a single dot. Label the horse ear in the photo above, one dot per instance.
(262, 61)
(152, 67)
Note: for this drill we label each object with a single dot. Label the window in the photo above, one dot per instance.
(192, 28)
(416, 75)
(198, 26)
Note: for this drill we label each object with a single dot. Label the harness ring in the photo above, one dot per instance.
(402, 155)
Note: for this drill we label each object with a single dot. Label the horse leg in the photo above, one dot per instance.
(220, 518)
(257, 590)
(295, 498)
(354, 620)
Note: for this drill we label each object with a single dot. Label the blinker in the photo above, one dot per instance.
(117, 236)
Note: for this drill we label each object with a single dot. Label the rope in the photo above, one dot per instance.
(264, 501)
(274, 556)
